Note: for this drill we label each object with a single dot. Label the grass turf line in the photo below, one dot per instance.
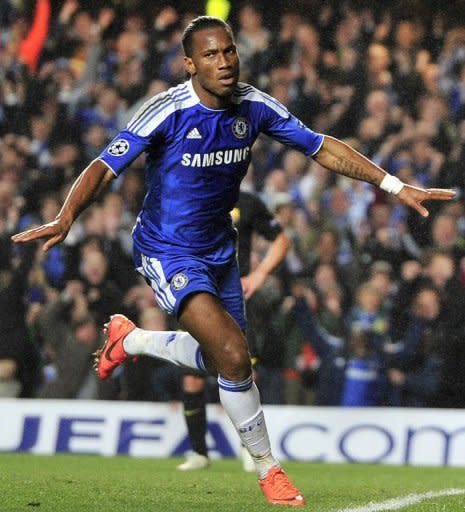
(77, 483)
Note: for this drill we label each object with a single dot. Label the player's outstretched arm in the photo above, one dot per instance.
(274, 256)
(85, 189)
(337, 156)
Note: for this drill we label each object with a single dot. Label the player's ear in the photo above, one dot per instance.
(189, 65)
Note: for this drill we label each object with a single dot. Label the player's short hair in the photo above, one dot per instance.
(201, 23)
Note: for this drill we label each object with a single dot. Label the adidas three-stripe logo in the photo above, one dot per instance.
(194, 134)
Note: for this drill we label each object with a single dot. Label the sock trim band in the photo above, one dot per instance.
(235, 386)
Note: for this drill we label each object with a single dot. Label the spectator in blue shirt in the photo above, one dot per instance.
(351, 366)
(415, 371)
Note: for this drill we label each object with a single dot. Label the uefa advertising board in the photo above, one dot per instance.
(313, 434)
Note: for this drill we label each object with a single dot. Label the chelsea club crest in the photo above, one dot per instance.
(240, 128)
(179, 281)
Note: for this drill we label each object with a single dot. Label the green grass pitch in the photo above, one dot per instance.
(69, 483)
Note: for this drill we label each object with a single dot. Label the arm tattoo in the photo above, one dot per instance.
(353, 169)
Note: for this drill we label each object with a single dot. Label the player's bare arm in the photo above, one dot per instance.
(87, 187)
(273, 257)
(337, 156)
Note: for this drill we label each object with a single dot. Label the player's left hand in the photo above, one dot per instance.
(414, 197)
(252, 282)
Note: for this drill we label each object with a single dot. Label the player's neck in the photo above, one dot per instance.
(210, 100)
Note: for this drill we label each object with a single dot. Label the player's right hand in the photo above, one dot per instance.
(53, 233)
(414, 197)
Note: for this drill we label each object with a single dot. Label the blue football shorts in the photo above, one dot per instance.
(173, 278)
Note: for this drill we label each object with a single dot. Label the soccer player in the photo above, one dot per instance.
(197, 138)
(250, 215)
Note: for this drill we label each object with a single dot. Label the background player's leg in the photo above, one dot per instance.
(195, 414)
(195, 411)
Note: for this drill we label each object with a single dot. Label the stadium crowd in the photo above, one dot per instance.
(368, 308)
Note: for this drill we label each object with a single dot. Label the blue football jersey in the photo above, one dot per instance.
(196, 158)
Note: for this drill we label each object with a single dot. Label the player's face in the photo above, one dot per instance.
(214, 66)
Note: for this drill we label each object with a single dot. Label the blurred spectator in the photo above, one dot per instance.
(94, 138)
(445, 236)
(252, 40)
(266, 306)
(172, 62)
(414, 373)
(406, 61)
(451, 63)
(438, 270)
(381, 278)
(118, 221)
(40, 141)
(106, 112)
(7, 13)
(377, 67)
(383, 240)
(18, 357)
(70, 335)
(336, 213)
(326, 252)
(103, 296)
(31, 39)
(132, 192)
(166, 21)
(100, 231)
(367, 311)
(294, 165)
(276, 189)
(53, 262)
(350, 371)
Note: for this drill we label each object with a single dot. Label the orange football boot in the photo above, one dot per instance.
(112, 354)
(278, 489)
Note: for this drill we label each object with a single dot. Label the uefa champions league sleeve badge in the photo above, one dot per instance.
(118, 148)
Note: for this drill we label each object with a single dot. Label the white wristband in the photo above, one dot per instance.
(391, 184)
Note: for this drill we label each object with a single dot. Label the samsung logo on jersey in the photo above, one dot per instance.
(226, 156)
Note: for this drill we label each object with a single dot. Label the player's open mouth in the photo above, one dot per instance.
(228, 80)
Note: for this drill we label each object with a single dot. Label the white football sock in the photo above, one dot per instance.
(241, 401)
(176, 347)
